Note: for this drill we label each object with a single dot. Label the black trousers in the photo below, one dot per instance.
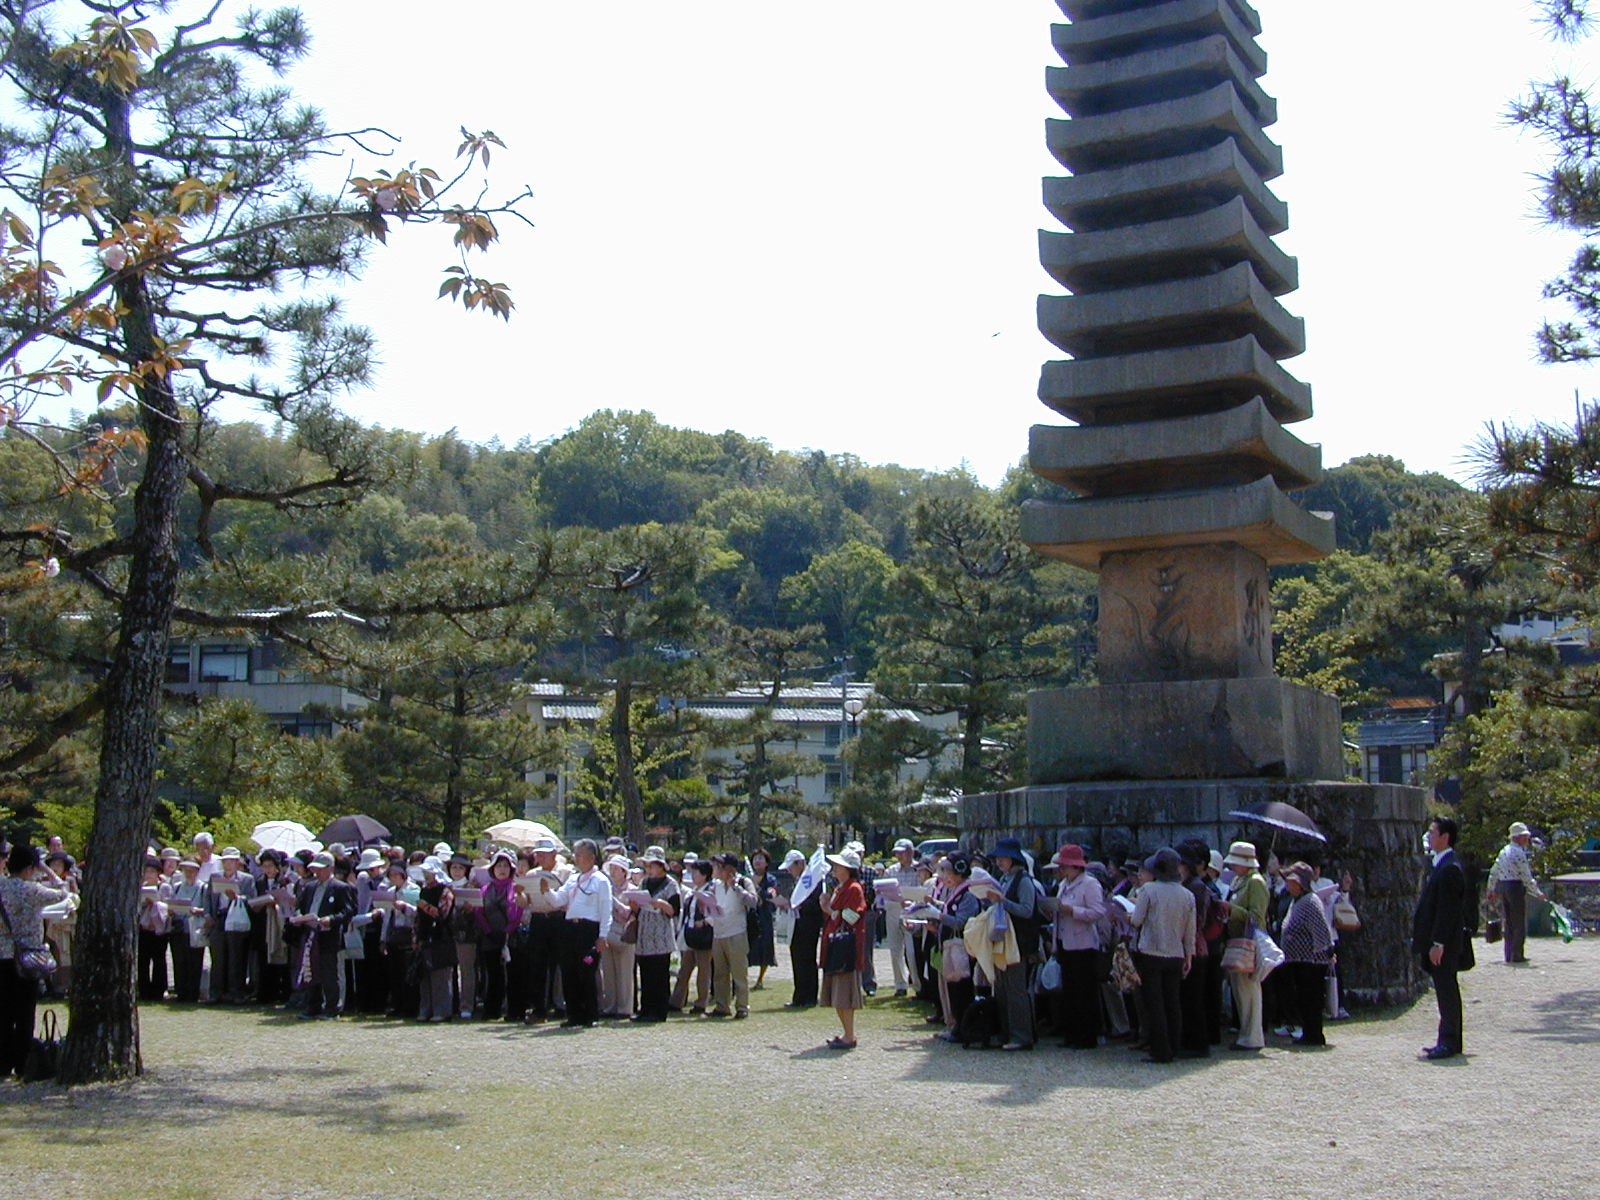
(534, 965)
(1160, 1003)
(152, 975)
(803, 958)
(372, 980)
(491, 975)
(1079, 1024)
(1211, 967)
(402, 990)
(655, 985)
(187, 963)
(1309, 983)
(324, 995)
(578, 977)
(1195, 1038)
(1514, 898)
(19, 998)
(1447, 991)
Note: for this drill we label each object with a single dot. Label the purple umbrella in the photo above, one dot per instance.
(1281, 816)
(359, 829)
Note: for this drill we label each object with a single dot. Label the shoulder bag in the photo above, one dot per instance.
(34, 963)
(840, 958)
(1345, 918)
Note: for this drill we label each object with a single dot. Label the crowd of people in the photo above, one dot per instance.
(1168, 953)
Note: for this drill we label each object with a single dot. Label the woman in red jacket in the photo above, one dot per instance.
(845, 907)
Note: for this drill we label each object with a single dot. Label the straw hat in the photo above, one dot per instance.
(1242, 855)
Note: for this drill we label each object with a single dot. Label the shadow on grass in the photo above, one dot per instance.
(1566, 1017)
(118, 1112)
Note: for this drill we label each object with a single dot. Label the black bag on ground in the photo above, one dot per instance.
(978, 1024)
(44, 1055)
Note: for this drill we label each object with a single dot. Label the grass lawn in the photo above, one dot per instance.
(247, 1103)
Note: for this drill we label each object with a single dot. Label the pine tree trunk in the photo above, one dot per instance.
(627, 776)
(756, 777)
(103, 1029)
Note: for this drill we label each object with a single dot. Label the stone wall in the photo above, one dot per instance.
(1374, 831)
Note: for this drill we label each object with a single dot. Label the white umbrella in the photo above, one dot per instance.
(287, 836)
(522, 834)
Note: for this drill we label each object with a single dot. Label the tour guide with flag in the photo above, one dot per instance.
(806, 903)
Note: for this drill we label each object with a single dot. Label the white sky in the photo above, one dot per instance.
(816, 223)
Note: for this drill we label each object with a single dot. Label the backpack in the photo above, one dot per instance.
(978, 1024)
(1026, 928)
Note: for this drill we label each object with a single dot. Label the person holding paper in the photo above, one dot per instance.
(904, 875)
(536, 950)
(26, 890)
(187, 906)
(734, 896)
(586, 899)
(500, 914)
(657, 937)
(694, 940)
(326, 906)
(270, 949)
(1080, 907)
(399, 933)
(805, 902)
(228, 922)
(154, 927)
(616, 961)
(845, 908)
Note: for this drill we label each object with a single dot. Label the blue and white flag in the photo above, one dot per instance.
(816, 872)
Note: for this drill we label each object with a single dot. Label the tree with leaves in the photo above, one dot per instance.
(969, 632)
(139, 133)
(634, 598)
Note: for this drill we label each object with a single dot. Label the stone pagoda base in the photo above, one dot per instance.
(1374, 832)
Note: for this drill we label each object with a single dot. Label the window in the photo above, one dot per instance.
(301, 725)
(225, 664)
(179, 659)
(830, 735)
(832, 780)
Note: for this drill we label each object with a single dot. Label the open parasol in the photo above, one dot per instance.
(521, 833)
(358, 829)
(287, 836)
(1279, 815)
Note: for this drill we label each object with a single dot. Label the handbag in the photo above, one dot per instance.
(1000, 924)
(840, 956)
(34, 963)
(44, 1054)
(630, 932)
(698, 937)
(1345, 917)
(1493, 931)
(1240, 955)
(238, 918)
(1123, 973)
(355, 946)
(1049, 979)
(957, 963)
(1269, 956)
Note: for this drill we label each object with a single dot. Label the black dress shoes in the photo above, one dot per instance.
(1433, 1053)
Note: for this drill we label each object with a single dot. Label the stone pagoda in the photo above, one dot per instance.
(1178, 472)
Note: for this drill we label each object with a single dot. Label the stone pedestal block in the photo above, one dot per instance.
(1373, 832)
(1200, 729)
(1185, 612)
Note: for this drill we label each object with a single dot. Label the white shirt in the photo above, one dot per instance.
(586, 897)
(733, 901)
(1512, 866)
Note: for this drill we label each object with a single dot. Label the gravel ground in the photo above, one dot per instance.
(244, 1103)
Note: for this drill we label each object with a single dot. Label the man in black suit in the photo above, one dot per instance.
(326, 906)
(1438, 933)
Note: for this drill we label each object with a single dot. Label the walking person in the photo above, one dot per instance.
(1438, 934)
(1511, 882)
